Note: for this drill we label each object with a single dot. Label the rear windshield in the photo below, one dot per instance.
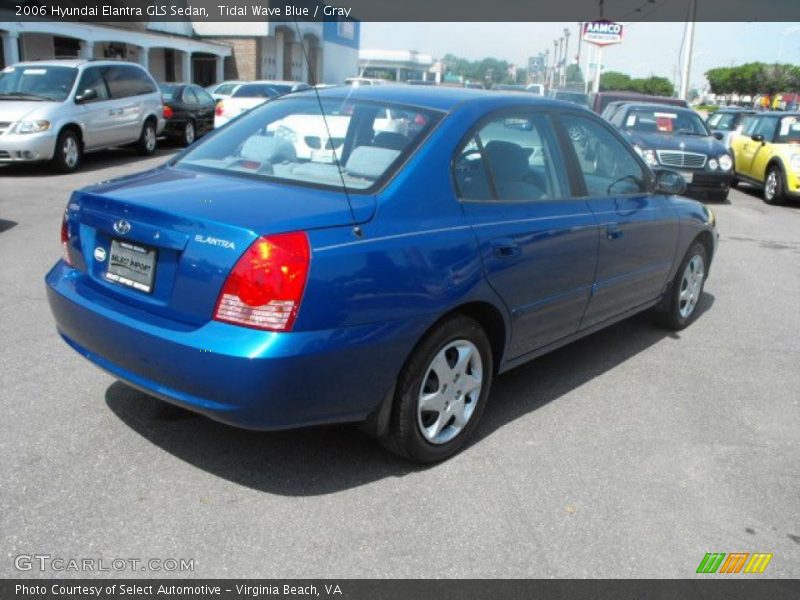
(168, 91)
(664, 120)
(576, 97)
(256, 90)
(34, 82)
(723, 121)
(292, 140)
(789, 131)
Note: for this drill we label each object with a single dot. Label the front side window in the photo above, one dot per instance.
(723, 121)
(766, 128)
(37, 83)
(609, 167)
(509, 158)
(305, 141)
(92, 81)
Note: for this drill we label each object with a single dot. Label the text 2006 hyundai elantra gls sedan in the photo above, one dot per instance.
(431, 240)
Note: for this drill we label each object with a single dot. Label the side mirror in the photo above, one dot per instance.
(757, 137)
(670, 182)
(718, 135)
(86, 96)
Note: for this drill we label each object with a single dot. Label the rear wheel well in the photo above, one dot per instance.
(491, 320)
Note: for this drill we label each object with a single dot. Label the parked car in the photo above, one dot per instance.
(535, 88)
(677, 138)
(389, 290)
(766, 155)
(220, 91)
(58, 110)
(252, 94)
(599, 101)
(188, 111)
(575, 97)
(729, 122)
(359, 81)
(508, 87)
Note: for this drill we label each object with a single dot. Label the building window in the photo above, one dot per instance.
(346, 30)
(66, 47)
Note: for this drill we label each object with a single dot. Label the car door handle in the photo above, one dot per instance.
(613, 232)
(505, 247)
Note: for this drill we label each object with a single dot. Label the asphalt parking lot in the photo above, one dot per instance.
(631, 453)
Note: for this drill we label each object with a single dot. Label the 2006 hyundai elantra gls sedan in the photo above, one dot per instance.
(445, 236)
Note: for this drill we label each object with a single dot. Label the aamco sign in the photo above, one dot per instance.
(602, 33)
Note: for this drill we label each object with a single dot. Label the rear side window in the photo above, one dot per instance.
(509, 158)
(92, 80)
(125, 81)
(189, 97)
(609, 168)
(203, 97)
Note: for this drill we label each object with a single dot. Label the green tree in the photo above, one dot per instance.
(574, 75)
(613, 80)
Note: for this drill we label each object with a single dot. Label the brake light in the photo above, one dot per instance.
(266, 286)
(168, 112)
(65, 239)
(220, 109)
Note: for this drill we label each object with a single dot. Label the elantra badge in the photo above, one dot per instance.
(99, 254)
(122, 227)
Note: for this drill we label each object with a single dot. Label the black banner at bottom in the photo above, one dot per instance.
(399, 589)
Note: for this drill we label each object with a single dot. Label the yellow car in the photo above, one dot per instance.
(767, 154)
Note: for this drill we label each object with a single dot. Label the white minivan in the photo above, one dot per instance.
(59, 109)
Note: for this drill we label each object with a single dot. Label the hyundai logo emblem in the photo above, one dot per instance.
(122, 227)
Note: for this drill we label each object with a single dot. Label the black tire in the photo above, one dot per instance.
(720, 197)
(404, 436)
(147, 143)
(668, 313)
(777, 196)
(734, 183)
(189, 134)
(68, 152)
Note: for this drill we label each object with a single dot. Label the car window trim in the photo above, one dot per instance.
(649, 178)
(472, 132)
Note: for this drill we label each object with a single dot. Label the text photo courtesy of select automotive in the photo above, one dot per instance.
(348, 298)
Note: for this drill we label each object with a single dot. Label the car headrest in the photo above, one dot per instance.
(263, 148)
(370, 162)
(509, 161)
(390, 139)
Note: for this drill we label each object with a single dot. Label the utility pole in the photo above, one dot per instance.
(555, 64)
(688, 43)
(580, 40)
(566, 57)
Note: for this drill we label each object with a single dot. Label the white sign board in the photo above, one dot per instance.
(603, 33)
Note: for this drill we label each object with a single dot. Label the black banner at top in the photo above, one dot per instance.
(109, 11)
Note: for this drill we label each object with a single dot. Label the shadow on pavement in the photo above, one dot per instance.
(325, 460)
(94, 161)
(6, 225)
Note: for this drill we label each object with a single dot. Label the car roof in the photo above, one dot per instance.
(650, 105)
(777, 113)
(439, 98)
(73, 62)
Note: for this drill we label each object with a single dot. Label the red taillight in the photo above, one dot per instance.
(168, 112)
(220, 109)
(266, 286)
(65, 239)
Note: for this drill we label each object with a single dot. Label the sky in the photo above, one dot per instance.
(648, 48)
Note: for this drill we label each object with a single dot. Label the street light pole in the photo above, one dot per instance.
(688, 42)
(566, 57)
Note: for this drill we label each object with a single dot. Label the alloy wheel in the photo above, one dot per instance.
(188, 133)
(450, 391)
(70, 151)
(691, 286)
(771, 185)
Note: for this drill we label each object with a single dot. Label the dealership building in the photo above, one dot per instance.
(195, 52)
(398, 65)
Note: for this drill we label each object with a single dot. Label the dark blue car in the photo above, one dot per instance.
(672, 137)
(375, 255)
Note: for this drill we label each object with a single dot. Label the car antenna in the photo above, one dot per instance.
(356, 228)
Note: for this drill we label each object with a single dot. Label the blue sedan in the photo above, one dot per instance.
(373, 255)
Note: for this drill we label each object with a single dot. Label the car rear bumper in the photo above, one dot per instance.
(240, 376)
(27, 147)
